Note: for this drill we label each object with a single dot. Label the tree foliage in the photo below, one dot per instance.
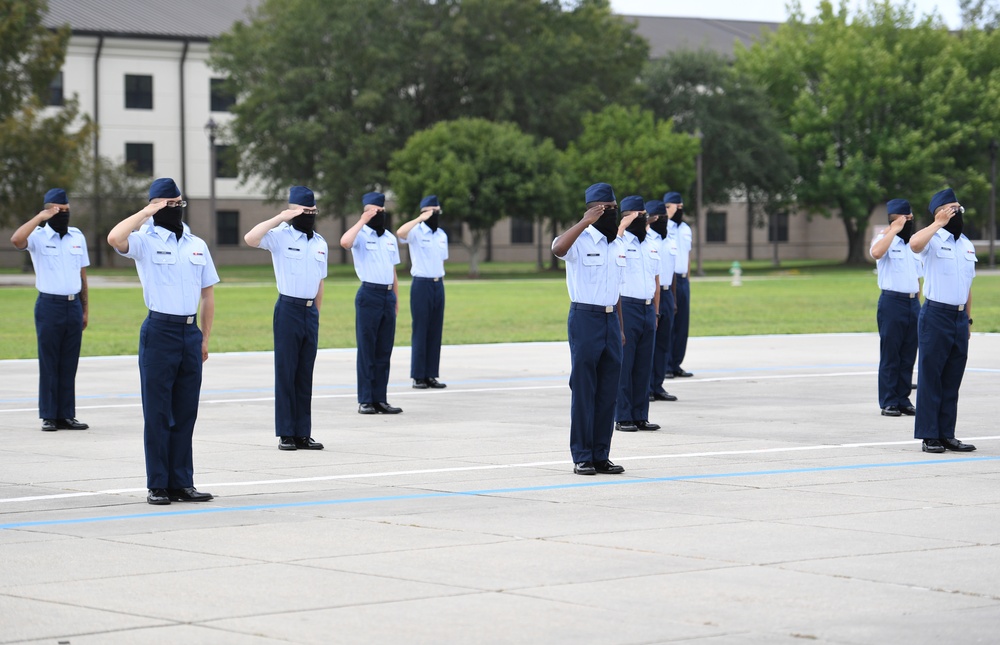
(30, 54)
(481, 172)
(633, 151)
(872, 107)
(328, 90)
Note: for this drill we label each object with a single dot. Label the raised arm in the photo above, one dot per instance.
(920, 239)
(257, 233)
(347, 239)
(424, 215)
(562, 244)
(118, 237)
(20, 237)
(880, 248)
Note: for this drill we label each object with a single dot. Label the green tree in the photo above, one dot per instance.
(30, 54)
(743, 151)
(872, 106)
(329, 90)
(482, 172)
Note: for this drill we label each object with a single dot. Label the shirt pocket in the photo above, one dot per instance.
(371, 246)
(294, 259)
(164, 267)
(897, 254)
(946, 260)
(969, 266)
(50, 249)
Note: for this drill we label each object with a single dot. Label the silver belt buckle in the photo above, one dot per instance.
(388, 287)
(609, 309)
(71, 296)
(648, 301)
(913, 295)
(190, 319)
(961, 307)
(437, 279)
(309, 303)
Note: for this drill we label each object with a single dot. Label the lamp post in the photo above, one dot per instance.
(211, 128)
(697, 214)
(993, 202)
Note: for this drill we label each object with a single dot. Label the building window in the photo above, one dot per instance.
(222, 100)
(227, 228)
(522, 231)
(56, 90)
(138, 92)
(139, 158)
(777, 228)
(715, 229)
(226, 162)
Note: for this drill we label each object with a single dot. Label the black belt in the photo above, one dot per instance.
(941, 305)
(638, 301)
(898, 294)
(415, 279)
(610, 309)
(375, 285)
(180, 320)
(49, 296)
(296, 301)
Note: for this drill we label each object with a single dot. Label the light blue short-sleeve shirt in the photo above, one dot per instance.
(375, 256)
(682, 236)
(172, 272)
(642, 265)
(900, 268)
(300, 264)
(428, 251)
(58, 261)
(949, 268)
(595, 268)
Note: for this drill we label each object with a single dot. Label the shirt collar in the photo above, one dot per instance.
(629, 236)
(49, 231)
(944, 235)
(163, 233)
(595, 234)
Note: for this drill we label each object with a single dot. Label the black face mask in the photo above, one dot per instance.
(169, 217)
(306, 222)
(60, 223)
(377, 223)
(956, 223)
(660, 226)
(607, 224)
(679, 215)
(638, 228)
(906, 232)
(432, 221)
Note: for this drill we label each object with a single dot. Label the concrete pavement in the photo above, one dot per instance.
(776, 506)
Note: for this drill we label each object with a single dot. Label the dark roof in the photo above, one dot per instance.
(669, 34)
(172, 19)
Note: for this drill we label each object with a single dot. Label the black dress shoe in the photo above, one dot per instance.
(957, 446)
(187, 495)
(662, 396)
(49, 425)
(385, 408)
(607, 468)
(287, 443)
(932, 445)
(307, 443)
(908, 410)
(625, 426)
(584, 468)
(436, 384)
(420, 384)
(681, 373)
(71, 424)
(646, 425)
(158, 497)
(367, 408)
(891, 411)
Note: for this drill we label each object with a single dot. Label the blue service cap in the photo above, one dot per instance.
(656, 207)
(898, 207)
(600, 192)
(301, 196)
(632, 203)
(942, 197)
(377, 199)
(56, 196)
(164, 187)
(430, 200)
(672, 198)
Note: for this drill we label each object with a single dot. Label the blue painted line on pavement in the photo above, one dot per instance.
(495, 491)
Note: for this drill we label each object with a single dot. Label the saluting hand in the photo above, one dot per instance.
(427, 213)
(944, 215)
(896, 225)
(289, 214)
(593, 214)
(48, 213)
(371, 210)
(152, 208)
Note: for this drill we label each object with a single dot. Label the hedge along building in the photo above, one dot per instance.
(139, 69)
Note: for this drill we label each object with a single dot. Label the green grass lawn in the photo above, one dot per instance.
(505, 306)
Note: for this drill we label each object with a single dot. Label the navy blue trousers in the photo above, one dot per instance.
(170, 379)
(679, 341)
(427, 313)
(897, 329)
(639, 322)
(59, 327)
(944, 349)
(296, 336)
(662, 343)
(595, 347)
(375, 329)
